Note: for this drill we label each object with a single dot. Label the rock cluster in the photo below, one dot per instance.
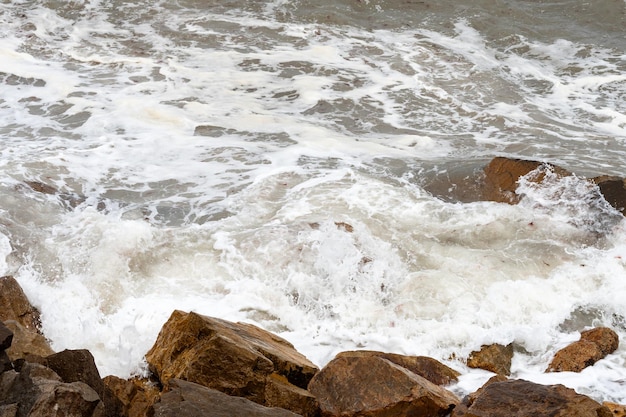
(204, 366)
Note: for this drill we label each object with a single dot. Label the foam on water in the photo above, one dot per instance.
(255, 166)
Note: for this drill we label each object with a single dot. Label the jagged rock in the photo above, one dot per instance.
(519, 398)
(186, 399)
(614, 191)
(502, 174)
(280, 393)
(26, 342)
(14, 305)
(469, 399)
(617, 410)
(76, 366)
(593, 345)
(132, 398)
(429, 368)
(234, 358)
(39, 392)
(495, 358)
(371, 386)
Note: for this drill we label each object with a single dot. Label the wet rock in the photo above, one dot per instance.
(429, 368)
(371, 386)
(502, 175)
(26, 342)
(495, 358)
(37, 391)
(234, 358)
(519, 398)
(617, 410)
(14, 305)
(76, 366)
(187, 399)
(593, 345)
(614, 191)
(130, 398)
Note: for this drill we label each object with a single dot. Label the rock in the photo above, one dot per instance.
(519, 398)
(26, 342)
(617, 410)
(614, 191)
(593, 345)
(495, 358)
(15, 306)
(502, 175)
(5, 362)
(39, 392)
(370, 386)
(131, 398)
(280, 393)
(234, 358)
(429, 368)
(76, 366)
(186, 399)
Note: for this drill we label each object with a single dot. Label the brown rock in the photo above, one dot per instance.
(617, 410)
(131, 398)
(234, 358)
(519, 398)
(370, 386)
(26, 342)
(606, 339)
(15, 306)
(614, 191)
(429, 368)
(38, 392)
(495, 358)
(76, 366)
(280, 393)
(9, 410)
(502, 175)
(186, 399)
(593, 345)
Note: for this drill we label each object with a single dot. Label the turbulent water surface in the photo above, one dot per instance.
(306, 166)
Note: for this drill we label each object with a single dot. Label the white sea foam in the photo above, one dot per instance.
(263, 169)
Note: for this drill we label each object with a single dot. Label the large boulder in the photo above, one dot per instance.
(37, 391)
(519, 398)
(495, 358)
(372, 386)
(186, 399)
(502, 176)
(429, 368)
(14, 305)
(593, 345)
(234, 358)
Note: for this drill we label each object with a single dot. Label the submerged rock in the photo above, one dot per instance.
(234, 358)
(593, 345)
(371, 386)
(519, 398)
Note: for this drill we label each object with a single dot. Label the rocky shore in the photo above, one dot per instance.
(205, 366)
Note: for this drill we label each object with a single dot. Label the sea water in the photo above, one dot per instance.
(310, 168)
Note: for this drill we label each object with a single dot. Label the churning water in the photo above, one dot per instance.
(303, 166)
